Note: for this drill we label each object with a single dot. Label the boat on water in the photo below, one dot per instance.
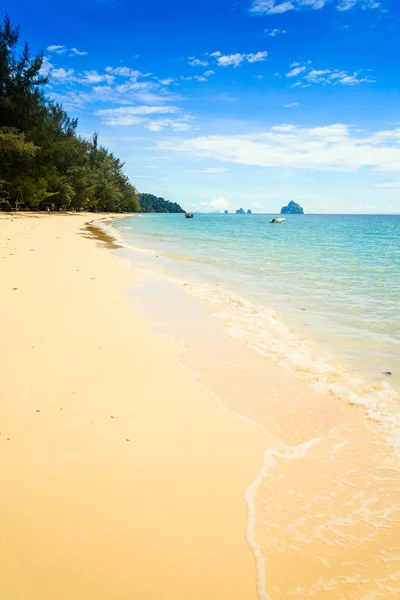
(277, 220)
(189, 215)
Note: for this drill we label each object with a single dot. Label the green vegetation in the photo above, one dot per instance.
(150, 203)
(44, 163)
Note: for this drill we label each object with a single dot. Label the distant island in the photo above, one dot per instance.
(292, 209)
(240, 211)
(152, 204)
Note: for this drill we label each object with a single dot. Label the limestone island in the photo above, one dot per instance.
(292, 209)
(240, 211)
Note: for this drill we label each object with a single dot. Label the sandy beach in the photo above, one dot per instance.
(120, 476)
(123, 477)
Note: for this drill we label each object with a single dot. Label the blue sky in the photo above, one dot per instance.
(225, 103)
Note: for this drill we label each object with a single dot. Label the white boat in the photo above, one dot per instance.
(278, 220)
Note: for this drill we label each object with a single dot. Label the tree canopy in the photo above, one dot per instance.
(150, 203)
(44, 163)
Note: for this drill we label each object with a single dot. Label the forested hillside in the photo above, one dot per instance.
(150, 203)
(44, 163)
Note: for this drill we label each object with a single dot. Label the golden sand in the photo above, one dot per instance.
(124, 479)
(327, 499)
(120, 477)
(324, 508)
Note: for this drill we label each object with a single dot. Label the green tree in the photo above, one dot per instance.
(44, 163)
(151, 203)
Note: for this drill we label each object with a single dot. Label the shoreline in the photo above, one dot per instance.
(200, 482)
(277, 340)
(115, 483)
(324, 463)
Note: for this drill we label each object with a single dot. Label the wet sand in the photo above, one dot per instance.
(324, 508)
(120, 476)
(124, 477)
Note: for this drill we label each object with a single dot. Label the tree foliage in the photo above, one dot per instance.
(44, 163)
(150, 203)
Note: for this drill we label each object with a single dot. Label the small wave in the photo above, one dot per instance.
(116, 231)
(269, 461)
(266, 333)
(263, 331)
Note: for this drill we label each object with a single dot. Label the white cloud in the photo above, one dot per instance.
(57, 49)
(217, 204)
(230, 59)
(134, 84)
(158, 95)
(175, 124)
(296, 71)
(197, 77)
(195, 62)
(349, 79)
(214, 170)
(317, 75)
(91, 77)
(119, 85)
(62, 75)
(257, 57)
(330, 148)
(76, 52)
(274, 32)
(146, 92)
(273, 7)
(70, 100)
(63, 49)
(130, 115)
(46, 67)
(292, 105)
(180, 126)
(227, 60)
(325, 76)
(208, 73)
(348, 4)
(138, 110)
(135, 115)
(123, 72)
(334, 76)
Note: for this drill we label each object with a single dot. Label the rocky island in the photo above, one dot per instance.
(240, 211)
(292, 209)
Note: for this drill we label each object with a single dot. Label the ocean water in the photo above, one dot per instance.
(320, 294)
(292, 327)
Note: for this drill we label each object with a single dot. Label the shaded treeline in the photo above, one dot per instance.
(44, 163)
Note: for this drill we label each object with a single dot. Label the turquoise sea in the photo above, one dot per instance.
(319, 294)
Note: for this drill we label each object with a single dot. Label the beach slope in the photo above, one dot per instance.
(121, 478)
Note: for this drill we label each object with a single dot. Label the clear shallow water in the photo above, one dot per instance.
(320, 294)
(325, 499)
